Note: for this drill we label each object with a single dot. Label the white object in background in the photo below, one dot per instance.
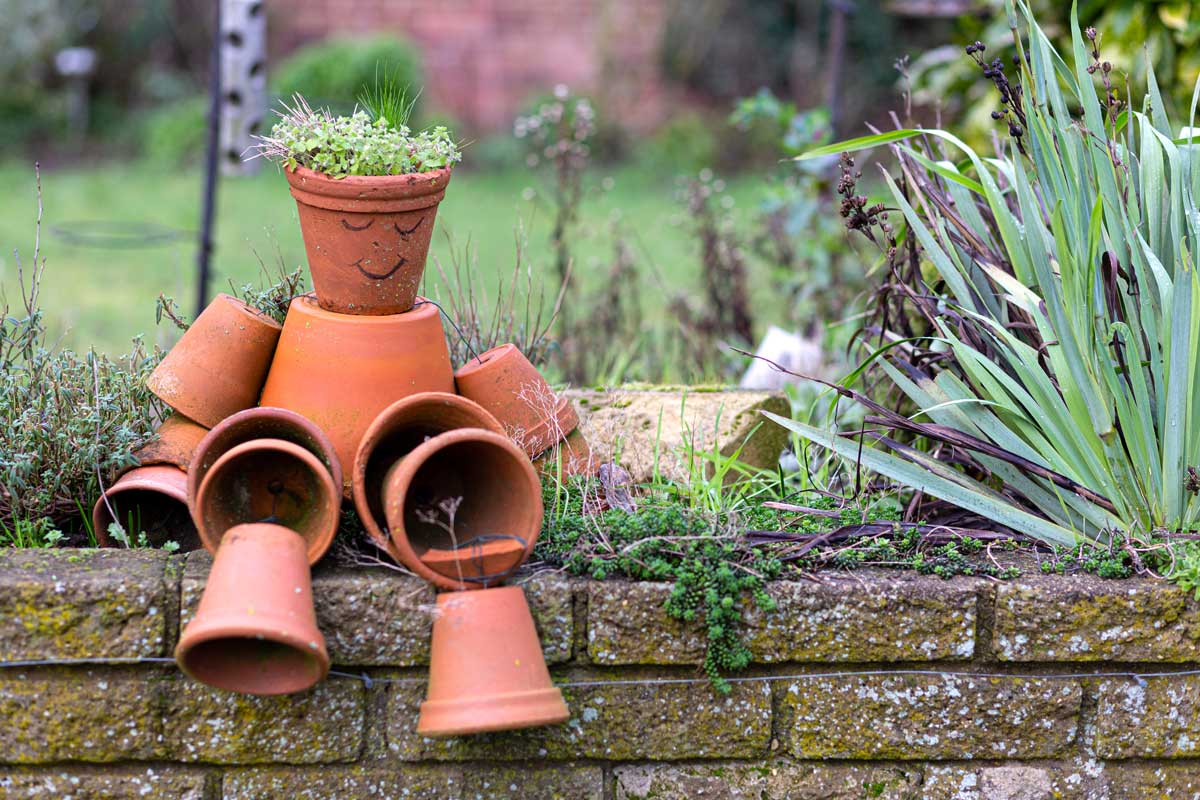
(788, 350)
(243, 82)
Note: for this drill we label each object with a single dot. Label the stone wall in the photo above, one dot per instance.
(864, 686)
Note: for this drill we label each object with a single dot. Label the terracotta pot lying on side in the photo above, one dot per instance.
(393, 434)
(255, 629)
(150, 500)
(340, 371)
(504, 382)
(218, 367)
(486, 668)
(464, 508)
(367, 237)
(269, 480)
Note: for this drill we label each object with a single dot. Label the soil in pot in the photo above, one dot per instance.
(367, 237)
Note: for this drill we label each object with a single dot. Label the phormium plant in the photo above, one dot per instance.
(1042, 311)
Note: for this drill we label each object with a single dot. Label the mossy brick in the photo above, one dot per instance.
(1080, 778)
(57, 604)
(1084, 618)
(73, 782)
(418, 782)
(1162, 781)
(614, 716)
(379, 617)
(767, 780)
(653, 428)
(899, 619)
(205, 725)
(908, 716)
(1153, 717)
(78, 715)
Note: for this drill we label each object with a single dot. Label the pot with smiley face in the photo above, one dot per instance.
(367, 236)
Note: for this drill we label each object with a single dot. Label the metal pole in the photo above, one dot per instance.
(205, 247)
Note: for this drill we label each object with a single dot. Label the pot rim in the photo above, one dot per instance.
(160, 478)
(491, 356)
(307, 303)
(241, 305)
(407, 186)
(318, 540)
(376, 432)
(284, 421)
(404, 470)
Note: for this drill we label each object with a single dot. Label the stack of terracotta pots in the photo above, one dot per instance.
(356, 396)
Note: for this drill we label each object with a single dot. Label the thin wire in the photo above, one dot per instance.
(1139, 677)
(466, 342)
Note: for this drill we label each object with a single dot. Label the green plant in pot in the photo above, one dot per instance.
(1044, 319)
(367, 188)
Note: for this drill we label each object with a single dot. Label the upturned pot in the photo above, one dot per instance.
(340, 370)
(464, 508)
(504, 382)
(176, 444)
(486, 668)
(260, 423)
(273, 481)
(149, 499)
(255, 629)
(367, 237)
(572, 456)
(218, 367)
(393, 434)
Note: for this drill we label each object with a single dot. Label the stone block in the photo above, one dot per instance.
(77, 715)
(378, 617)
(1154, 718)
(418, 782)
(111, 783)
(1086, 618)
(85, 603)
(767, 780)
(651, 426)
(614, 716)
(927, 717)
(915, 618)
(206, 725)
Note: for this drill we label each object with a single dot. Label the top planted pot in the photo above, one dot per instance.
(367, 237)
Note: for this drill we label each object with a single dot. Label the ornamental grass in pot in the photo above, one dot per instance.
(367, 188)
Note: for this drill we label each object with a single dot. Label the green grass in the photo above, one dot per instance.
(102, 297)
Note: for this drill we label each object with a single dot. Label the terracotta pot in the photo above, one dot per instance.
(219, 365)
(177, 439)
(367, 237)
(260, 423)
(395, 432)
(340, 371)
(255, 630)
(504, 382)
(572, 456)
(150, 499)
(486, 668)
(499, 497)
(269, 480)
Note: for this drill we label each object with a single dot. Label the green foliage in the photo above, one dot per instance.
(66, 420)
(175, 132)
(387, 99)
(1048, 330)
(713, 571)
(355, 145)
(1186, 569)
(336, 71)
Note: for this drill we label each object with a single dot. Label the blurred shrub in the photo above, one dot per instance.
(175, 133)
(334, 72)
(1134, 33)
(686, 143)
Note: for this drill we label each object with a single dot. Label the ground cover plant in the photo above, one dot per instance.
(1041, 316)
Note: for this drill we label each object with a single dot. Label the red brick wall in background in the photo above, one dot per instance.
(484, 59)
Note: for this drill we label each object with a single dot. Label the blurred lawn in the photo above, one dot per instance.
(103, 297)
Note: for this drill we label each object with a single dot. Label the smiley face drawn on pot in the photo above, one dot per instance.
(380, 247)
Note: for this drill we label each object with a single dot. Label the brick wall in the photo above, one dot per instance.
(964, 707)
(484, 59)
